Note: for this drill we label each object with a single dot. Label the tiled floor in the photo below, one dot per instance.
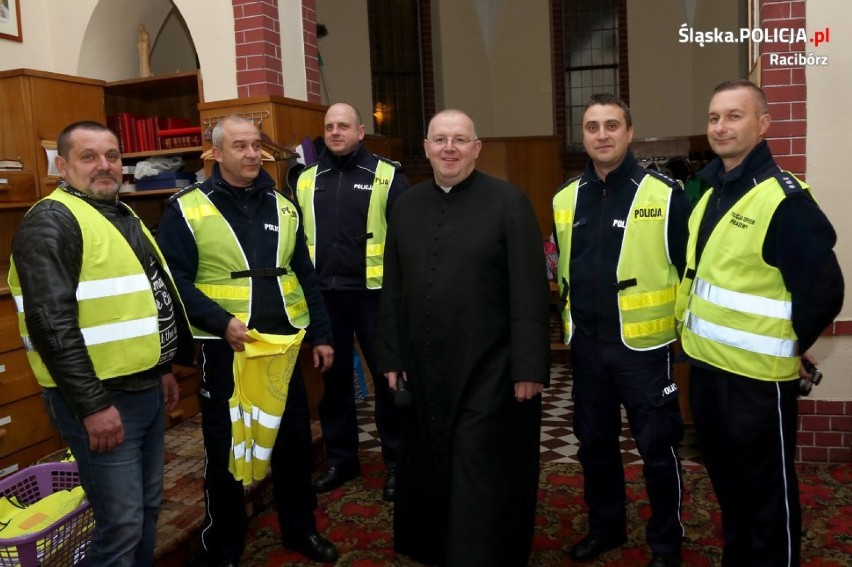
(558, 443)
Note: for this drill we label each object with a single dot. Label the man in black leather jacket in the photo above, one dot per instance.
(109, 407)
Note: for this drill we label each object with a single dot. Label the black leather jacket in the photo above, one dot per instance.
(48, 253)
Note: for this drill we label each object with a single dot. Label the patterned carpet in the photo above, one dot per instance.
(356, 519)
(359, 522)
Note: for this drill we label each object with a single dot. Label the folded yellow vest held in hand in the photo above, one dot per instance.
(261, 381)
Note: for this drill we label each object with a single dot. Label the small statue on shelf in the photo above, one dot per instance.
(143, 45)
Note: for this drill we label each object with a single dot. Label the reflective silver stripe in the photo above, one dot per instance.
(120, 331)
(744, 302)
(94, 289)
(261, 453)
(751, 342)
(19, 303)
(239, 450)
(266, 420)
(235, 414)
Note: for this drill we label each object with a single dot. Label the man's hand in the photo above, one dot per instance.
(393, 378)
(105, 429)
(171, 392)
(803, 373)
(527, 390)
(323, 357)
(235, 334)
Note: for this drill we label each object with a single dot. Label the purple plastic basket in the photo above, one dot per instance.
(66, 542)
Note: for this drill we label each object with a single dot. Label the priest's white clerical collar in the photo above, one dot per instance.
(446, 189)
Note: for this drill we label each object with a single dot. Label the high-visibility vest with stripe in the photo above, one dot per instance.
(734, 311)
(262, 375)
(117, 311)
(220, 255)
(376, 218)
(647, 280)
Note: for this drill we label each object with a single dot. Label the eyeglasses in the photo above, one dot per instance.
(442, 141)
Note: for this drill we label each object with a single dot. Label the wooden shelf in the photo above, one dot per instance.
(11, 205)
(171, 152)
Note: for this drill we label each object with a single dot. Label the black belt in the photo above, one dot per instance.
(624, 284)
(260, 273)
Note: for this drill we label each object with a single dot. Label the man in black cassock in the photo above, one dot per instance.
(464, 322)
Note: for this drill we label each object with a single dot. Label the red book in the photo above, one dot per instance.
(128, 132)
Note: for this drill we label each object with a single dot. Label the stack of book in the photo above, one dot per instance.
(7, 164)
(152, 133)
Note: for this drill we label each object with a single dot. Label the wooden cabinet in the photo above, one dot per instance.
(286, 121)
(26, 433)
(175, 96)
(533, 163)
(34, 108)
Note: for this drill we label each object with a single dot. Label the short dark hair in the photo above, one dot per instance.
(744, 84)
(63, 142)
(607, 99)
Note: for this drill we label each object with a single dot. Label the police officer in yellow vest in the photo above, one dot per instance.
(101, 321)
(621, 234)
(237, 250)
(346, 198)
(761, 284)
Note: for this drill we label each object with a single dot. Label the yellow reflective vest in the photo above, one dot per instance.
(117, 311)
(646, 296)
(376, 218)
(261, 382)
(220, 256)
(733, 309)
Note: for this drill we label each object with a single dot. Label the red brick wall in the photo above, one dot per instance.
(825, 431)
(785, 86)
(825, 426)
(258, 48)
(312, 69)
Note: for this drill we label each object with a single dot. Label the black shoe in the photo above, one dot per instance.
(313, 546)
(593, 545)
(389, 491)
(665, 559)
(335, 476)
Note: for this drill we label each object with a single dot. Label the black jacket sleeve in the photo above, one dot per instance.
(800, 242)
(48, 254)
(678, 229)
(392, 326)
(319, 329)
(178, 247)
(398, 186)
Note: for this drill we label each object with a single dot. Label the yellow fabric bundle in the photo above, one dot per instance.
(41, 514)
(261, 382)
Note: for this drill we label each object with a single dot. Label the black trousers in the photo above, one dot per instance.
(225, 522)
(747, 434)
(354, 314)
(607, 376)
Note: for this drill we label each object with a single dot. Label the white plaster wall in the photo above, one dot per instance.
(492, 60)
(172, 50)
(671, 82)
(829, 138)
(35, 52)
(97, 38)
(293, 50)
(345, 54)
